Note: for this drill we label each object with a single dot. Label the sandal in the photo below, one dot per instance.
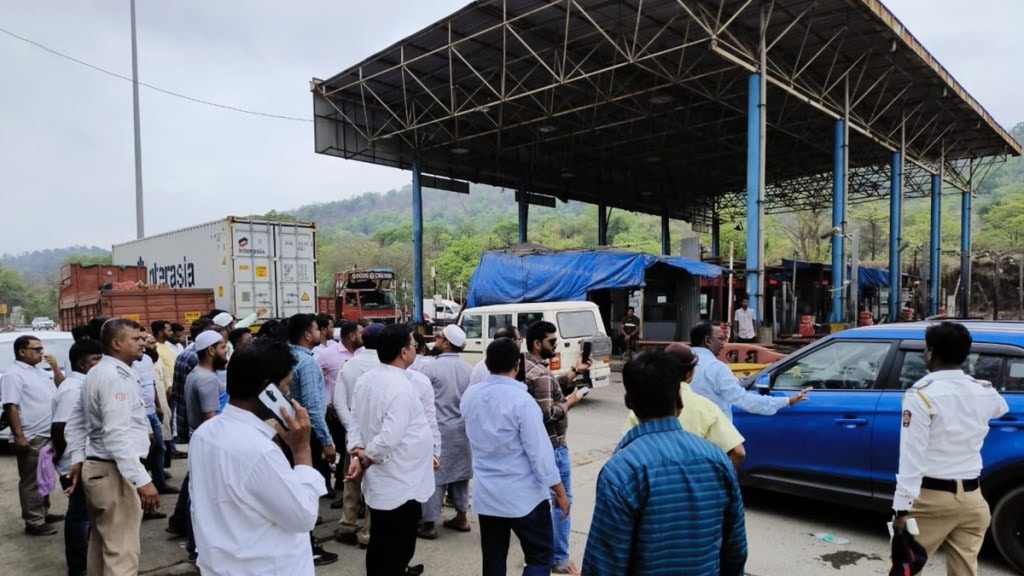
(451, 525)
(565, 568)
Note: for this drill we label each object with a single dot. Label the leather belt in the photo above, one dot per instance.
(98, 459)
(949, 485)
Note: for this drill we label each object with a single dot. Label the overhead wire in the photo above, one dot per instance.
(150, 86)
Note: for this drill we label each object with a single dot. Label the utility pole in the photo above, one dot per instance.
(140, 228)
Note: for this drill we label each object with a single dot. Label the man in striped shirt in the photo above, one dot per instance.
(668, 502)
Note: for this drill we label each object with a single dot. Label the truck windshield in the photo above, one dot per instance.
(376, 300)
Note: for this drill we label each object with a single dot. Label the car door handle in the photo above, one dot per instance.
(851, 422)
(1006, 423)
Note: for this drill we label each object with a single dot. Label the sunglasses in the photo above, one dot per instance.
(552, 341)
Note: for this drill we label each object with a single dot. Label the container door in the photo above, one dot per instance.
(295, 264)
(252, 246)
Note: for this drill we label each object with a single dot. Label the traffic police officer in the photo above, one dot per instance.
(945, 421)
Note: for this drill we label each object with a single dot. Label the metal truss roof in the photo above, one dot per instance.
(642, 104)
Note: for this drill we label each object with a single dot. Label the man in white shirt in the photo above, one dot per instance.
(365, 359)
(253, 511)
(945, 421)
(480, 371)
(67, 405)
(117, 487)
(393, 451)
(745, 322)
(714, 380)
(28, 401)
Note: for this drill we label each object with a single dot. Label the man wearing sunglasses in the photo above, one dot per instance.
(28, 401)
(556, 396)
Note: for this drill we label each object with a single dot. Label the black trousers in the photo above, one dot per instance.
(394, 539)
(338, 435)
(320, 464)
(535, 535)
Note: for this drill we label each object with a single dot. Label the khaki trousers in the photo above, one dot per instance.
(115, 512)
(957, 522)
(33, 506)
(350, 507)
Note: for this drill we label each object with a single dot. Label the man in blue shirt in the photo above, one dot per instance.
(668, 502)
(309, 390)
(513, 465)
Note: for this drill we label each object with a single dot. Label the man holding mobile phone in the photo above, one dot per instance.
(253, 509)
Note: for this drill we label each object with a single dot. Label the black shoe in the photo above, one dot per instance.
(322, 557)
(319, 520)
(175, 529)
(43, 530)
(168, 489)
(192, 557)
(153, 515)
(51, 518)
(346, 537)
(414, 570)
(331, 494)
(179, 455)
(167, 473)
(337, 504)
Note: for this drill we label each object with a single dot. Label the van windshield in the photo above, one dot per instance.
(576, 324)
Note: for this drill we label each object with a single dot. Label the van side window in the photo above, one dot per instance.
(496, 321)
(576, 324)
(837, 366)
(979, 365)
(472, 325)
(526, 318)
(1014, 381)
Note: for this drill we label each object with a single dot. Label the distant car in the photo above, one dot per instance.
(843, 445)
(42, 323)
(56, 343)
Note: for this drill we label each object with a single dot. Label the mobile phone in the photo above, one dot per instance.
(521, 375)
(273, 399)
(587, 347)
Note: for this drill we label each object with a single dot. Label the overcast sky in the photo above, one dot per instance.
(66, 147)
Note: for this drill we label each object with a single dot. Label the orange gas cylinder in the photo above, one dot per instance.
(807, 326)
(865, 318)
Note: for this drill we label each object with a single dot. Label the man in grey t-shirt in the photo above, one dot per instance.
(202, 387)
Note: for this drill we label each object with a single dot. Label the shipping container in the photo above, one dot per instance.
(144, 305)
(248, 263)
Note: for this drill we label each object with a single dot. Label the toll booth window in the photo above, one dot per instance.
(497, 321)
(525, 319)
(576, 324)
(472, 325)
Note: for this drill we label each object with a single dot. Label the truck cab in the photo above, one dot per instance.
(367, 295)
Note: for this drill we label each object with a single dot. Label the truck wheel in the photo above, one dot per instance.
(1008, 528)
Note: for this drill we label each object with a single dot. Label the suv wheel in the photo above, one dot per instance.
(1008, 527)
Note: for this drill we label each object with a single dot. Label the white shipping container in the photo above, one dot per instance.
(249, 264)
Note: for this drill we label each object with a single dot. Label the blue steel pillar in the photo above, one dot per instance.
(417, 245)
(895, 236)
(754, 193)
(965, 251)
(716, 237)
(838, 217)
(935, 246)
(602, 225)
(666, 241)
(524, 215)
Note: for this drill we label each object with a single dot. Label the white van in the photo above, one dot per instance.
(440, 312)
(575, 322)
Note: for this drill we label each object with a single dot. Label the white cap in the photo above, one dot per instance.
(223, 319)
(208, 338)
(455, 335)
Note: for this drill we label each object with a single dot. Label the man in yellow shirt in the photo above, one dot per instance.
(701, 416)
(167, 353)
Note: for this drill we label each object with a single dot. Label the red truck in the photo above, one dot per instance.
(87, 292)
(363, 295)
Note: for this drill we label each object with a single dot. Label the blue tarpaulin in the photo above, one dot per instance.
(866, 277)
(507, 278)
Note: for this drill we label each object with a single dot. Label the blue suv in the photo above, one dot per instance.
(843, 445)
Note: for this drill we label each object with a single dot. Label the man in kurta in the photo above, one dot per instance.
(450, 376)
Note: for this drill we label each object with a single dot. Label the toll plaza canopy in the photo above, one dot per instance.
(645, 105)
(538, 275)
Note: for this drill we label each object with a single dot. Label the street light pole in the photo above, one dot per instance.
(140, 230)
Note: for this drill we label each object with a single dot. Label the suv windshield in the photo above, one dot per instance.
(576, 324)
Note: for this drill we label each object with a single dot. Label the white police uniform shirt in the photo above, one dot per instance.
(116, 426)
(945, 421)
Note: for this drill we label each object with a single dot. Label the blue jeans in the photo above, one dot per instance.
(561, 527)
(155, 460)
(76, 529)
(534, 536)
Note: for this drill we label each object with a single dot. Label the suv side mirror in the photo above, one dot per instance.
(763, 383)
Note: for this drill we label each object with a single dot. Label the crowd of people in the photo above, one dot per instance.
(389, 430)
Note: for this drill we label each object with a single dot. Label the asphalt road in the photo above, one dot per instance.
(780, 528)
